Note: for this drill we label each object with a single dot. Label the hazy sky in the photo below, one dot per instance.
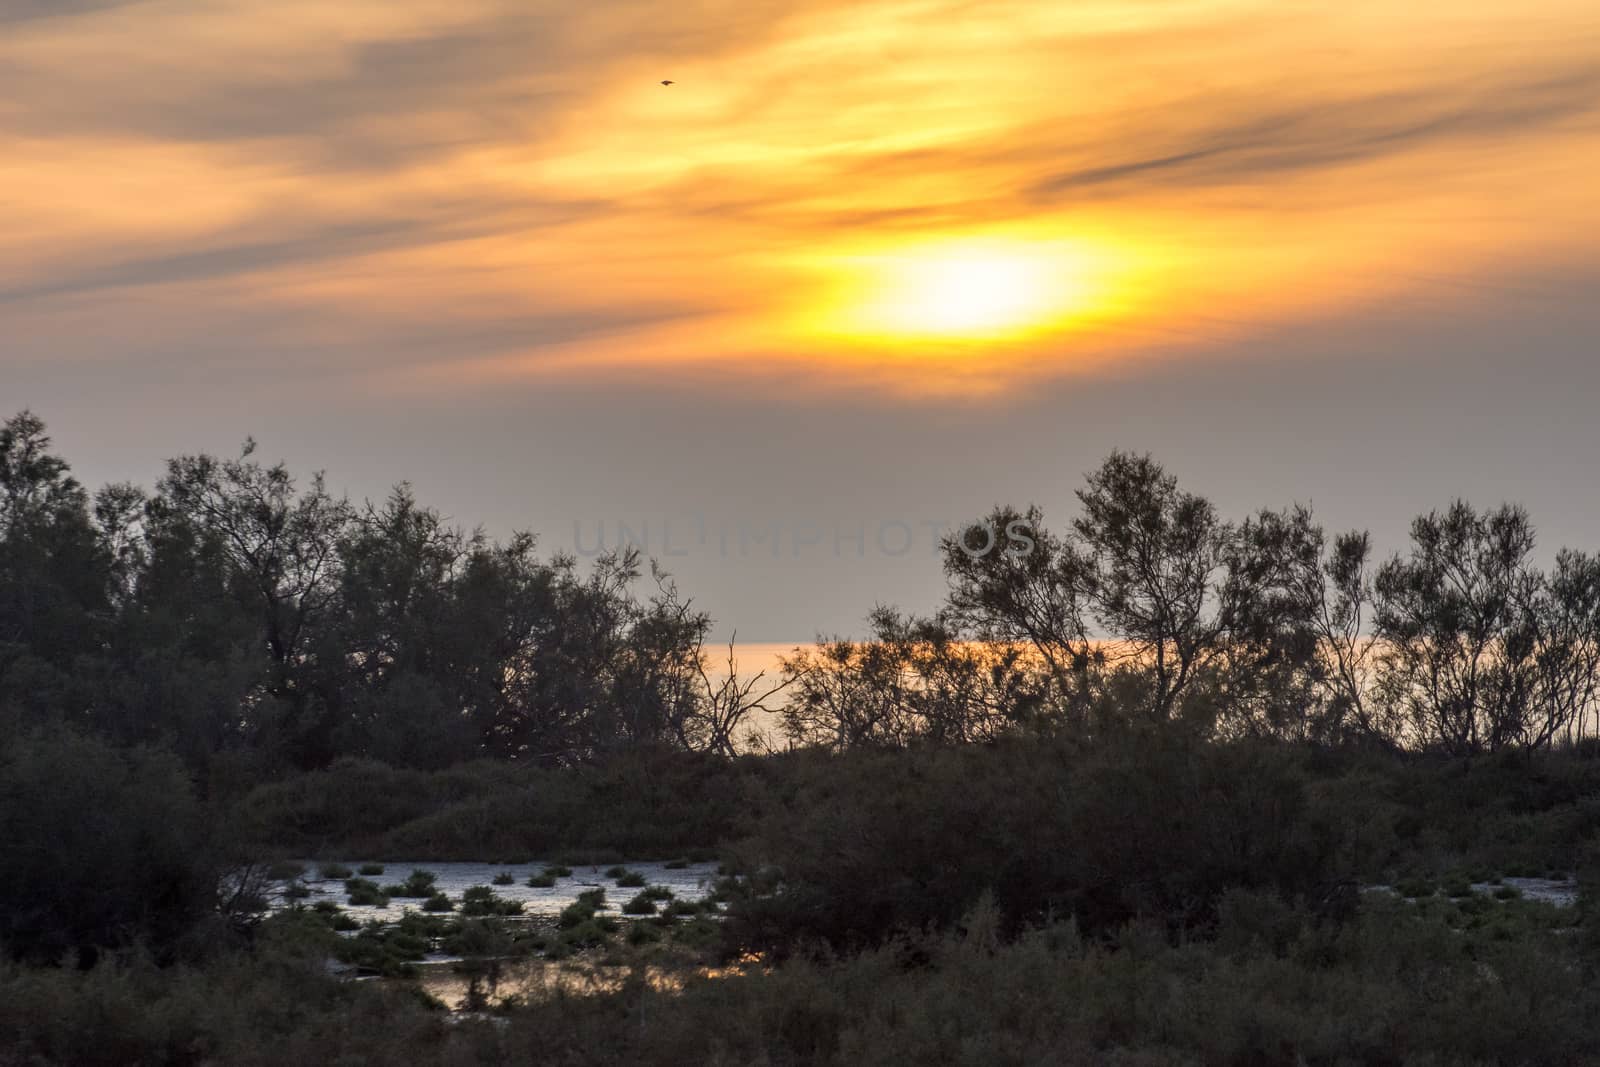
(863, 268)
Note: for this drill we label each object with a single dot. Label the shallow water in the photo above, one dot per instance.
(1560, 892)
(691, 883)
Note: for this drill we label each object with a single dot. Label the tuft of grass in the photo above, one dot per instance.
(335, 871)
(438, 902)
(643, 934)
(505, 878)
(541, 881)
(631, 880)
(556, 870)
(371, 870)
(616, 872)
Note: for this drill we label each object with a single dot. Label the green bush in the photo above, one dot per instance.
(438, 902)
(335, 872)
(505, 878)
(480, 900)
(643, 934)
(363, 893)
(418, 885)
(541, 881)
(370, 870)
(630, 880)
(640, 905)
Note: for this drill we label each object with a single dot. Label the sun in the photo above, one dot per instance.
(957, 290)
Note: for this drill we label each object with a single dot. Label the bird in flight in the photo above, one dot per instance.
(667, 82)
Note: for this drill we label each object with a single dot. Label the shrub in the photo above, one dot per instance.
(285, 871)
(335, 872)
(541, 881)
(1048, 828)
(556, 870)
(1414, 887)
(578, 912)
(631, 880)
(505, 878)
(418, 885)
(643, 934)
(616, 872)
(371, 870)
(438, 902)
(480, 900)
(363, 893)
(99, 847)
(640, 905)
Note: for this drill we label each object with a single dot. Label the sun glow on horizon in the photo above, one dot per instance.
(958, 289)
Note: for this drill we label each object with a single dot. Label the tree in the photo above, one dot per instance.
(1479, 648)
(251, 541)
(55, 578)
(1014, 583)
(912, 680)
(726, 704)
(1156, 556)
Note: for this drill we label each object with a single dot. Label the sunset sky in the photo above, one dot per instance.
(862, 269)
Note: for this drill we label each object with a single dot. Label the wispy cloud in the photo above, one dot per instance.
(1268, 141)
(470, 181)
